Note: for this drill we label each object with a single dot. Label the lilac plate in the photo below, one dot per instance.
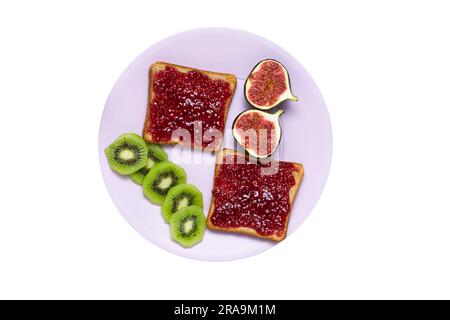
(305, 124)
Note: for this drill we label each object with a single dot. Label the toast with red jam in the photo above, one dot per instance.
(187, 106)
(253, 198)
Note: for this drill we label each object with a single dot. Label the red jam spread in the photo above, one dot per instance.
(190, 101)
(262, 138)
(243, 197)
(267, 84)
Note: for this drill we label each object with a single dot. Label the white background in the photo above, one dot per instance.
(381, 228)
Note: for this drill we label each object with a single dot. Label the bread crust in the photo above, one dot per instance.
(298, 176)
(159, 65)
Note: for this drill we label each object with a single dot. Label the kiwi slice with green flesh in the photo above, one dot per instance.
(181, 196)
(163, 176)
(127, 154)
(155, 154)
(187, 226)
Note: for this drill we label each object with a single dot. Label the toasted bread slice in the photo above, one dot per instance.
(279, 236)
(158, 66)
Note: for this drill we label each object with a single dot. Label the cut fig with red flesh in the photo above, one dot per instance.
(258, 132)
(268, 85)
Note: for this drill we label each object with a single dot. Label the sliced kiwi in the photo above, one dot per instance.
(155, 154)
(163, 176)
(187, 226)
(180, 196)
(127, 154)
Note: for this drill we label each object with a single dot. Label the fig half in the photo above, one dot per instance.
(258, 132)
(268, 85)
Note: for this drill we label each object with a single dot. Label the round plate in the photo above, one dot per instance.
(306, 134)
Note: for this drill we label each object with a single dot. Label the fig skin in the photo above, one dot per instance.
(274, 118)
(286, 95)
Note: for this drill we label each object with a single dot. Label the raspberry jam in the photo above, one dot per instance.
(264, 130)
(190, 101)
(267, 84)
(243, 197)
